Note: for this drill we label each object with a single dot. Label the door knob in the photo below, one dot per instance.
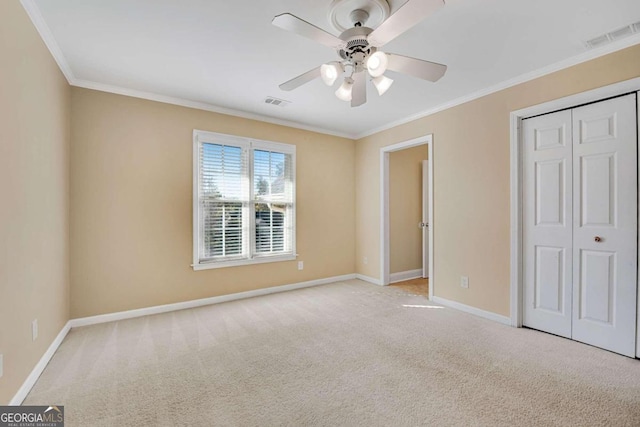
(598, 239)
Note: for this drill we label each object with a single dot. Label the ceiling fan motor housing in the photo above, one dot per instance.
(358, 48)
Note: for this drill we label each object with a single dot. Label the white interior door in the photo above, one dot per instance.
(580, 216)
(605, 222)
(547, 223)
(426, 221)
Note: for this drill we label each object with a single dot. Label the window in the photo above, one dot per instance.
(244, 201)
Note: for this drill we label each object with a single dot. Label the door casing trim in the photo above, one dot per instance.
(384, 206)
(516, 181)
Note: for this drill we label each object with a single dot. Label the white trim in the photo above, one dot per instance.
(384, 206)
(134, 93)
(240, 262)
(43, 29)
(523, 78)
(570, 62)
(195, 184)
(405, 275)
(425, 216)
(38, 21)
(431, 221)
(384, 215)
(516, 224)
(368, 279)
(131, 314)
(572, 101)
(248, 146)
(472, 310)
(638, 272)
(39, 368)
(516, 117)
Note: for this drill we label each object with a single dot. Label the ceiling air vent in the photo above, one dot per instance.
(275, 101)
(621, 33)
(598, 41)
(614, 35)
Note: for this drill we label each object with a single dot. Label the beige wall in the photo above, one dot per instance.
(131, 212)
(471, 182)
(405, 208)
(105, 180)
(34, 194)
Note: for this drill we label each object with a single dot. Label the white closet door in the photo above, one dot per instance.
(605, 200)
(547, 220)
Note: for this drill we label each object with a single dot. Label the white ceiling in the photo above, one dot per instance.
(227, 55)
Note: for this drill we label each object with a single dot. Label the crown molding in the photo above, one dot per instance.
(34, 13)
(118, 90)
(523, 78)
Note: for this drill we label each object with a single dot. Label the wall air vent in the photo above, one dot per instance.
(614, 35)
(275, 101)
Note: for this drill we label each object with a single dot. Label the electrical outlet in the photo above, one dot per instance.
(1, 365)
(300, 265)
(464, 282)
(34, 329)
(365, 260)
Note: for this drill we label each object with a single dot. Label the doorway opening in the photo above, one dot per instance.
(426, 221)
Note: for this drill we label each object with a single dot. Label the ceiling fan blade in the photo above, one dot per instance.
(301, 79)
(359, 91)
(292, 23)
(419, 68)
(412, 12)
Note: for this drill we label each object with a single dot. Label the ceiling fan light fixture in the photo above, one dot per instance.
(345, 90)
(377, 64)
(330, 71)
(366, 31)
(382, 84)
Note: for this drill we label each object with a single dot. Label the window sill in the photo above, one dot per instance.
(241, 262)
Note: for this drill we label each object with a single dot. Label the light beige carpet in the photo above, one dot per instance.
(345, 354)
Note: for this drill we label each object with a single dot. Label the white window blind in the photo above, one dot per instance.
(222, 200)
(273, 202)
(244, 201)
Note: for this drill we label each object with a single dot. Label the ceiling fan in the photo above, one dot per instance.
(358, 49)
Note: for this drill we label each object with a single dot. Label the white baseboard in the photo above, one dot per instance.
(93, 320)
(39, 368)
(369, 279)
(130, 314)
(405, 275)
(472, 310)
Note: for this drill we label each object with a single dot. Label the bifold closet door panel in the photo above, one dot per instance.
(547, 220)
(605, 216)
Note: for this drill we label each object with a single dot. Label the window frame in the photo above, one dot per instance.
(248, 145)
